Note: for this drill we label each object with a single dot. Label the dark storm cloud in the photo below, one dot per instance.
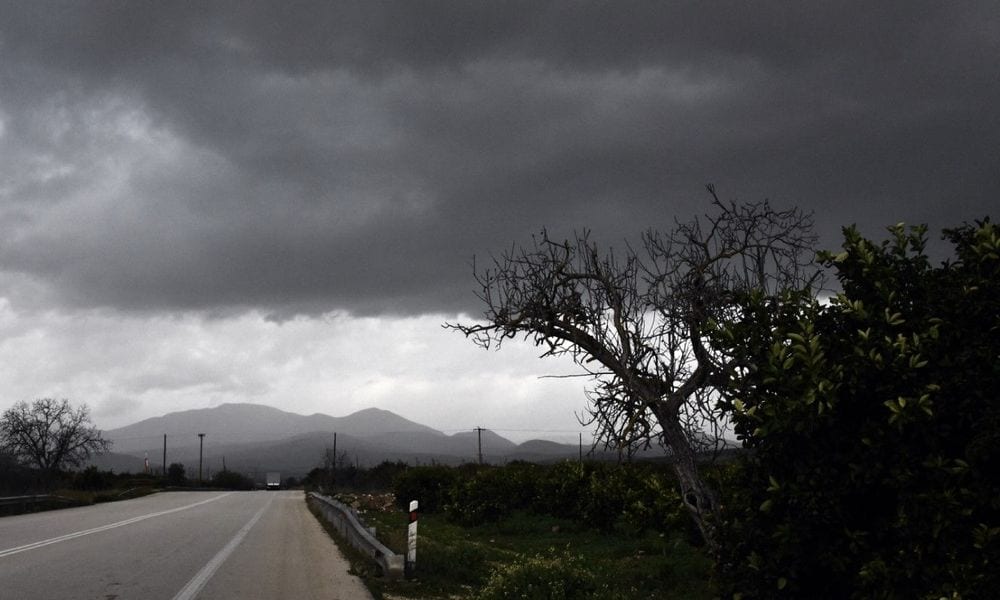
(306, 157)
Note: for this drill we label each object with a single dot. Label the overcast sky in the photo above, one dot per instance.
(279, 203)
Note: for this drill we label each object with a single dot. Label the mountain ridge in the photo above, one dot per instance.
(251, 437)
(247, 422)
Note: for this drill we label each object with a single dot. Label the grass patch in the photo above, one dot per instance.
(457, 562)
(67, 498)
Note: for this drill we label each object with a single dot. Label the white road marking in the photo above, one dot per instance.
(189, 591)
(70, 536)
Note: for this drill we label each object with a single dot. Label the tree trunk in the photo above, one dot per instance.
(699, 498)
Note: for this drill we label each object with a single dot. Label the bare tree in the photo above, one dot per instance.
(50, 434)
(637, 321)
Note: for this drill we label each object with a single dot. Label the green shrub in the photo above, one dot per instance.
(479, 499)
(562, 489)
(598, 495)
(654, 503)
(381, 477)
(430, 486)
(548, 576)
(93, 479)
(604, 502)
(493, 493)
(872, 421)
(640, 495)
(175, 475)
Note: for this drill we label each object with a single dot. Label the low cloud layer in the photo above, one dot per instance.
(132, 368)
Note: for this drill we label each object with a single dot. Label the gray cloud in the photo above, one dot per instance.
(318, 156)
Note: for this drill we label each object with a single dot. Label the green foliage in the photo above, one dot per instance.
(175, 475)
(317, 479)
(874, 425)
(494, 492)
(641, 496)
(597, 495)
(563, 488)
(549, 576)
(93, 479)
(453, 559)
(429, 485)
(381, 476)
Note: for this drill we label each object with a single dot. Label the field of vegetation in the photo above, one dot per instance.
(570, 530)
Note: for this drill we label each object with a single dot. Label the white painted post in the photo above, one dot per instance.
(411, 540)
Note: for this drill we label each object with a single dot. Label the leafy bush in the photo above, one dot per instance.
(598, 495)
(874, 423)
(653, 502)
(175, 475)
(494, 492)
(541, 577)
(563, 488)
(430, 486)
(480, 498)
(93, 479)
(381, 476)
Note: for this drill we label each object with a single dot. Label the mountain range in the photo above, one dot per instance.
(253, 438)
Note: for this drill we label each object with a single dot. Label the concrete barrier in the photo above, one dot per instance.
(346, 522)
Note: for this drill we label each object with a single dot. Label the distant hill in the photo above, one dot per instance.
(258, 438)
(240, 423)
(254, 439)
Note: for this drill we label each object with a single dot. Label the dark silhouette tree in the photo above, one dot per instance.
(50, 434)
(636, 321)
(176, 475)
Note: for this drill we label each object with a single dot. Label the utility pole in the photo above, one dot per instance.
(201, 446)
(479, 434)
(164, 455)
(333, 465)
(581, 447)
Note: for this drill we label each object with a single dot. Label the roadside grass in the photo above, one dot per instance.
(456, 562)
(111, 495)
(68, 498)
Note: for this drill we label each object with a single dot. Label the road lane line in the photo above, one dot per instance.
(70, 536)
(189, 591)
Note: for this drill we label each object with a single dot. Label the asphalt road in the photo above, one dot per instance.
(175, 546)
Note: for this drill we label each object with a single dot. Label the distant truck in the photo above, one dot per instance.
(274, 480)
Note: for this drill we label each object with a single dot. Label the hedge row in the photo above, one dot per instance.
(603, 496)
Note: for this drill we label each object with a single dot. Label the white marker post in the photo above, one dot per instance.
(411, 540)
